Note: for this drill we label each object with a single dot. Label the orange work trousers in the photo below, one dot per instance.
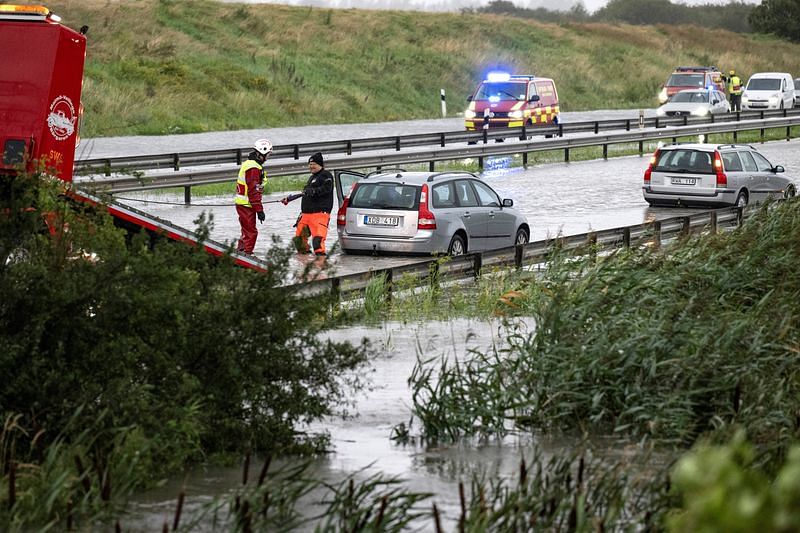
(315, 225)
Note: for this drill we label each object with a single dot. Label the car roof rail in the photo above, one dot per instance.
(452, 173)
(387, 170)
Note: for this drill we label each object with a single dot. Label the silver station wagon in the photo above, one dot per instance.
(713, 175)
(394, 211)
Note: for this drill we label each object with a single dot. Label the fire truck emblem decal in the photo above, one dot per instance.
(61, 119)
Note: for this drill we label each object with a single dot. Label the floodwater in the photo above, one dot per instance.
(557, 198)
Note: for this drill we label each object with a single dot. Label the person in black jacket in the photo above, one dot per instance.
(316, 208)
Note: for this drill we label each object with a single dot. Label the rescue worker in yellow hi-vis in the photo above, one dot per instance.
(315, 208)
(735, 90)
(249, 188)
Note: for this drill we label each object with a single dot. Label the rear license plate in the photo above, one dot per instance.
(684, 181)
(375, 220)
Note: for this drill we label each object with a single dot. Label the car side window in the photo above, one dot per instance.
(748, 162)
(486, 195)
(444, 195)
(763, 164)
(465, 195)
(731, 162)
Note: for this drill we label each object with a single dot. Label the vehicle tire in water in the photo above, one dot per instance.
(522, 236)
(741, 200)
(457, 245)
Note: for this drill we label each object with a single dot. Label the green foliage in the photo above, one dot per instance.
(195, 355)
(779, 17)
(722, 488)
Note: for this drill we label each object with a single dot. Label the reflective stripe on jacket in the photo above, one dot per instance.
(242, 189)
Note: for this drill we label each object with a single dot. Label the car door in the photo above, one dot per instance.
(754, 180)
(767, 178)
(344, 181)
(500, 229)
(473, 216)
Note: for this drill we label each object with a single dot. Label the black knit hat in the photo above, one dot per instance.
(316, 158)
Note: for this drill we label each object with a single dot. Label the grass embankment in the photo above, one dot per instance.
(161, 66)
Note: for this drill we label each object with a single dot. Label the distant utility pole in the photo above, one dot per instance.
(444, 104)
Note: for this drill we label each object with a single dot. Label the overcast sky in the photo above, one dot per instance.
(455, 5)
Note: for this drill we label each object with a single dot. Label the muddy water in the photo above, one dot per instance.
(361, 444)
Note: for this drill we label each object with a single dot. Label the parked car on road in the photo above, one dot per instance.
(769, 90)
(691, 78)
(714, 175)
(696, 103)
(797, 92)
(394, 211)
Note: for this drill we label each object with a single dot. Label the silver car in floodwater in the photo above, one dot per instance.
(713, 175)
(398, 212)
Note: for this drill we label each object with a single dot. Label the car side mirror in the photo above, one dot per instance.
(508, 202)
(469, 98)
(777, 169)
(534, 98)
(715, 102)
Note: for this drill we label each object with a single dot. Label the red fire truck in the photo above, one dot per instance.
(41, 77)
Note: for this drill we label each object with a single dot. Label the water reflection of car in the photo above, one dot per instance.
(394, 211)
(696, 103)
(713, 175)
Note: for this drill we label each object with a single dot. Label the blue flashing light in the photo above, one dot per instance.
(498, 76)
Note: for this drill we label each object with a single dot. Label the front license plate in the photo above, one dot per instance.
(684, 181)
(374, 220)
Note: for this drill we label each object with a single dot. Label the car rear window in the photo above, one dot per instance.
(684, 160)
(686, 80)
(385, 196)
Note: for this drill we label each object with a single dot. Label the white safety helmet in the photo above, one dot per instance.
(263, 146)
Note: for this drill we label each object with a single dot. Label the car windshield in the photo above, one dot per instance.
(385, 196)
(684, 160)
(764, 84)
(686, 96)
(686, 80)
(499, 91)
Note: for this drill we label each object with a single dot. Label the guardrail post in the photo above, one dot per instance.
(108, 167)
(641, 148)
(525, 159)
(397, 144)
(712, 118)
(713, 222)
(336, 289)
(430, 166)
(626, 237)
(349, 147)
(596, 127)
(735, 136)
(628, 125)
(740, 215)
(518, 249)
(605, 151)
(441, 140)
(485, 136)
(560, 129)
(296, 151)
(657, 234)
(657, 121)
(176, 162)
(239, 156)
(685, 120)
(674, 140)
(480, 162)
(591, 242)
(687, 226)
(187, 194)
(566, 155)
(788, 132)
(523, 133)
(477, 263)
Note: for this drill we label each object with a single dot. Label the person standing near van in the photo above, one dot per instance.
(734, 90)
(249, 188)
(315, 208)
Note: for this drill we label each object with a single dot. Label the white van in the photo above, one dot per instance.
(768, 90)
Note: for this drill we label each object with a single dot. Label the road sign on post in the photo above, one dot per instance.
(444, 104)
(641, 119)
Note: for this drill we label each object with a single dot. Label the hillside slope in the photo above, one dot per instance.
(169, 66)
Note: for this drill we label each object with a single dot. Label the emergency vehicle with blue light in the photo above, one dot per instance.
(504, 100)
(41, 78)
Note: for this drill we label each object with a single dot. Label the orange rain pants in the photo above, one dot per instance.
(316, 225)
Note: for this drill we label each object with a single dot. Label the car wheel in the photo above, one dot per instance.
(458, 245)
(789, 192)
(522, 236)
(741, 200)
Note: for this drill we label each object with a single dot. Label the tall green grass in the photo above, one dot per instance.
(162, 66)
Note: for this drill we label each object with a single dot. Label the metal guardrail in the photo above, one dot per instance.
(277, 166)
(176, 161)
(525, 256)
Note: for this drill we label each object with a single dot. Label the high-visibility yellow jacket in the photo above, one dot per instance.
(734, 85)
(250, 185)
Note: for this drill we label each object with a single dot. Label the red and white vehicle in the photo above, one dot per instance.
(41, 77)
(503, 100)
